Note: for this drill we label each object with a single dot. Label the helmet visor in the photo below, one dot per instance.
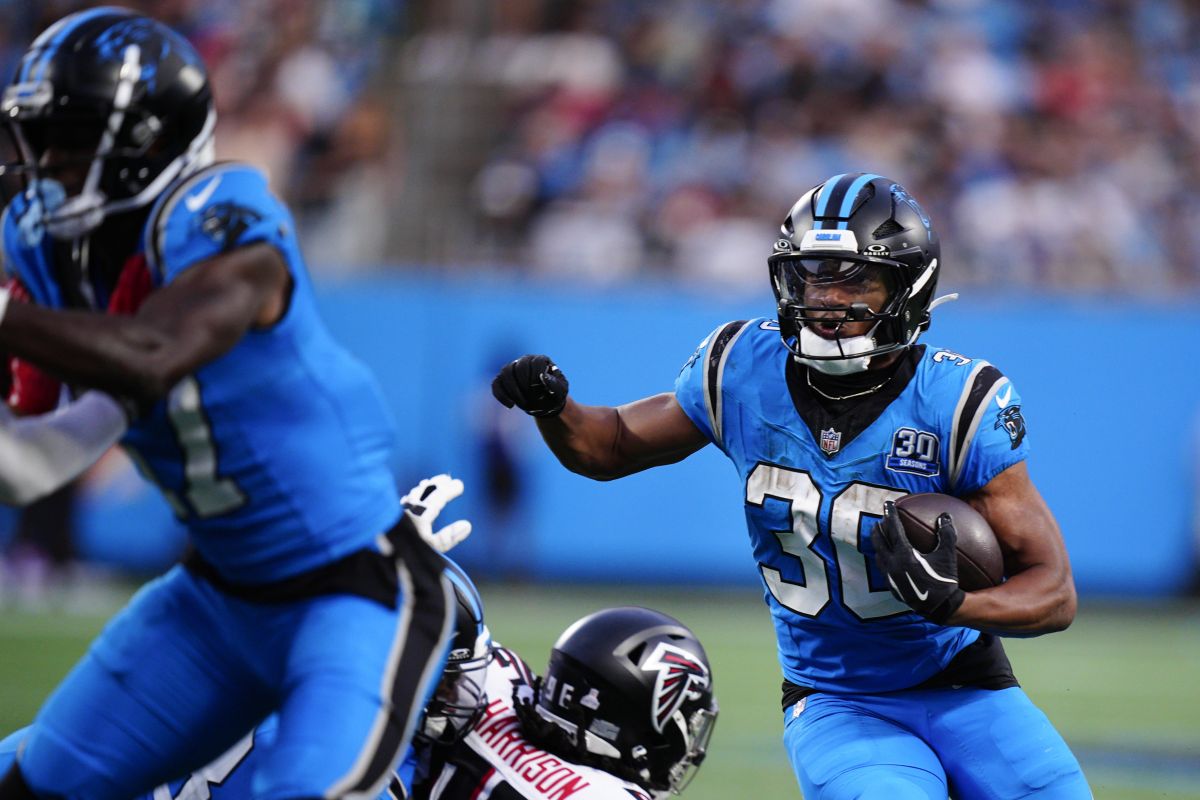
(795, 277)
(79, 136)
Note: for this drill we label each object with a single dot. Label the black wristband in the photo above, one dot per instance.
(946, 610)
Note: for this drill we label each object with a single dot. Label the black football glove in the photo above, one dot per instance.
(524, 701)
(534, 726)
(533, 384)
(926, 582)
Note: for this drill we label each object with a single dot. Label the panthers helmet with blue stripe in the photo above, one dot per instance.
(460, 697)
(846, 225)
(116, 100)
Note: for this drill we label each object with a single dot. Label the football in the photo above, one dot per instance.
(980, 564)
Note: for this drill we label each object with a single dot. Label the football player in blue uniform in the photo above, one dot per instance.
(177, 284)
(458, 703)
(830, 412)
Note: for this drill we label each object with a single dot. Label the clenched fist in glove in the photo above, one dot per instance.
(926, 582)
(533, 384)
(425, 501)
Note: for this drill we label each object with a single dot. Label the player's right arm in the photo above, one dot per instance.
(599, 442)
(187, 323)
(217, 250)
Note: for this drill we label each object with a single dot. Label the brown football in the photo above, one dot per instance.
(980, 564)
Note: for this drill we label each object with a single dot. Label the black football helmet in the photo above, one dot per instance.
(117, 99)
(461, 696)
(630, 691)
(837, 231)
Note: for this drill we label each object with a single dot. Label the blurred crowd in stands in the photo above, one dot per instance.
(1056, 145)
(301, 88)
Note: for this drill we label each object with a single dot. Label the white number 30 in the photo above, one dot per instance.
(797, 489)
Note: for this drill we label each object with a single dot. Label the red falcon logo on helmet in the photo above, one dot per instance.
(680, 675)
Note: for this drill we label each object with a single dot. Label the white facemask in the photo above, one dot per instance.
(814, 345)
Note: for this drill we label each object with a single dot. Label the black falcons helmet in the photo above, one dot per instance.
(834, 232)
(629, 691)
(461, 696)
(125, 96)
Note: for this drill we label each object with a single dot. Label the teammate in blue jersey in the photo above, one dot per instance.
(458, 703)
(177, 284)
(830, 412)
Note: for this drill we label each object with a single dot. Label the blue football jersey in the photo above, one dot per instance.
(812, 497)
(276, 455)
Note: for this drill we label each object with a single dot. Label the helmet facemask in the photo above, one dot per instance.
(123, 163)
(460, 698)
(695, 731)
(821, 296)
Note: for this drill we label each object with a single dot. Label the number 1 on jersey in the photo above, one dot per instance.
(206, 492)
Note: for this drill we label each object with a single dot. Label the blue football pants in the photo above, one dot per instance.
(184, 671)
(970, 744)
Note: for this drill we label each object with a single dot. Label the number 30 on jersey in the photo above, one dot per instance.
(803, 497)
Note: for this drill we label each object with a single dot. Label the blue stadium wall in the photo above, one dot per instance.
(1111, 397)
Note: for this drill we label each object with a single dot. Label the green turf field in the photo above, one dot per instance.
(1122, 685)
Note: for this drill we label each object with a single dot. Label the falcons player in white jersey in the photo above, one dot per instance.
(624, 712)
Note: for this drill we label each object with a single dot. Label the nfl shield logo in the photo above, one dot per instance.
(831, 441)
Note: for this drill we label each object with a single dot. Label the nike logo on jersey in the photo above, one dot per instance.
(1002, 399)
(196, 201)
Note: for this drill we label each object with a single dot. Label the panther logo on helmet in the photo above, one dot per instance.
(901, 195)
(680, 675)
